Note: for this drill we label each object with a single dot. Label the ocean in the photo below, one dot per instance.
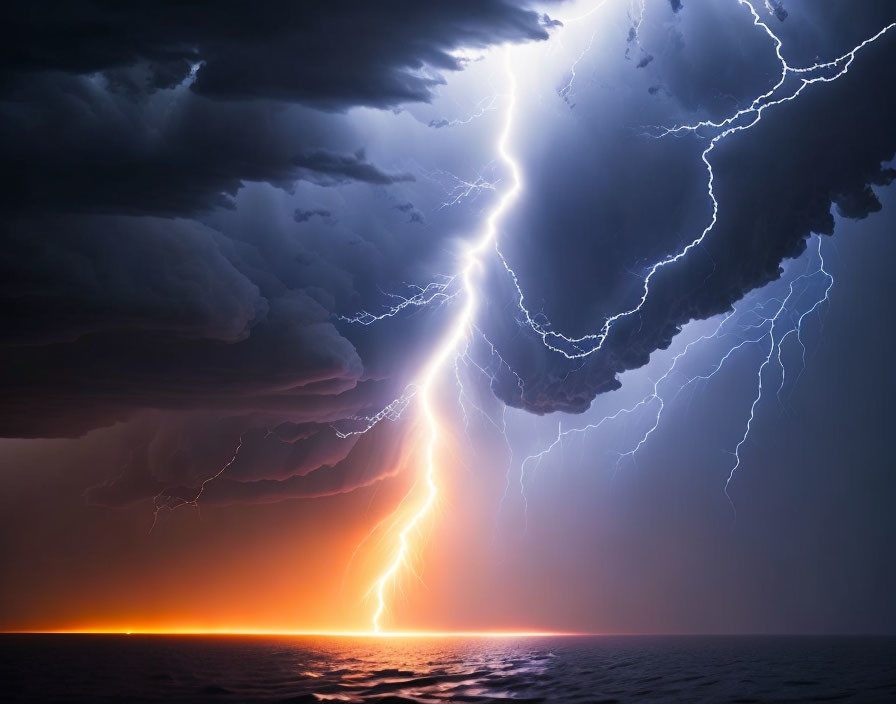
(151, 668)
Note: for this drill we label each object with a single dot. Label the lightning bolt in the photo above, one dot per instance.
(459, 333)
(453, 348)
(486, 104)
(566, 91)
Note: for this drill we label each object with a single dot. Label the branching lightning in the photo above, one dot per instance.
(164, 501)
(487, 104)
(788, 319)
(741, 120)
(462, 289)
(460, 330)
(391, 412)
(435, 292)
(458, 189)
(776, 341)
(566, 91)
(580, 347)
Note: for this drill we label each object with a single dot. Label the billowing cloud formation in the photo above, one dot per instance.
(333, 54)
(83, 147)
(146, 108)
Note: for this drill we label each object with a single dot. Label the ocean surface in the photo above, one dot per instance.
(103, 668)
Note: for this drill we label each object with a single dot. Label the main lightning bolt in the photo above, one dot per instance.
(459, 332)
(463, 287)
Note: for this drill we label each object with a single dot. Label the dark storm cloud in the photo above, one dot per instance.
(644, 61)
(114, 301)
(300, 215)
(376, 457)
(414, 215)
(776, 184)
(327, 168)
(110, 105)
(105, 110)
(61, 279)
(777, 7)
(293, 361)
(80, 147)
(334, 54)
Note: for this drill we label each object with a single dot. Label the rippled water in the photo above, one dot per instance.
(549, 669)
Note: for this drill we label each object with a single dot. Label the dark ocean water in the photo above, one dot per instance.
(573, 669)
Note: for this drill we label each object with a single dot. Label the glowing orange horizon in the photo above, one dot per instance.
(276, 632)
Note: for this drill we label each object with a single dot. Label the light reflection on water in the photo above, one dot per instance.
(397, 670)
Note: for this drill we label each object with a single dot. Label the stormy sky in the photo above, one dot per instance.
(200, 198)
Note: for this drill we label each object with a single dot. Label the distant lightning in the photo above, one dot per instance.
(566, 91)
(636, 15)
(653, 395)
(786, 320)
(487, 104)
(775, 345)
(460, 189)
(165, 501)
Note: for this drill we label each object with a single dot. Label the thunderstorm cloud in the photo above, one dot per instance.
(154, 277)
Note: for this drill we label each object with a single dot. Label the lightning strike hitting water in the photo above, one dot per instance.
(460, 330)
(455, 345)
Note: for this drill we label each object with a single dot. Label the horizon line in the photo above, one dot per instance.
(414, 634)
(319, 633)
